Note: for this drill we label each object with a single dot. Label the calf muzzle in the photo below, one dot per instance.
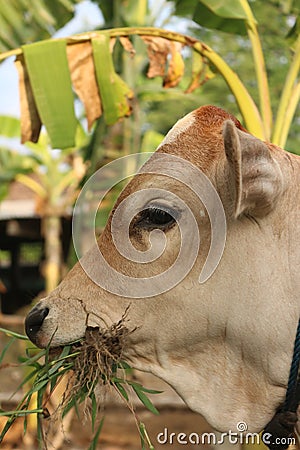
(34, 322)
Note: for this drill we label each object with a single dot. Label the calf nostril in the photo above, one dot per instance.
(34, 321)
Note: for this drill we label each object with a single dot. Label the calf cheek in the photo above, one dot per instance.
(93, 305)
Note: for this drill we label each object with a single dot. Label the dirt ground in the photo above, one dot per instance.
(119, 431)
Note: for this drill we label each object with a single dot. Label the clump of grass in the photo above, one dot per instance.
(98, 358)
(89, 363)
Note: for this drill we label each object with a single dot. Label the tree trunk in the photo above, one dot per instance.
(53, 251)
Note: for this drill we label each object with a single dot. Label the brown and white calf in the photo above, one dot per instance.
(224, 345)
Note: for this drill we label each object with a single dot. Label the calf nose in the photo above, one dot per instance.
(34, 321)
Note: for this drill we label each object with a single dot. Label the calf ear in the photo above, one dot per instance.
(256, 177)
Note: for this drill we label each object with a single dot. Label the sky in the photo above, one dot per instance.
(87, 17)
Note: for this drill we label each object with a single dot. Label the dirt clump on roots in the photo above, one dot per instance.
(98, 359)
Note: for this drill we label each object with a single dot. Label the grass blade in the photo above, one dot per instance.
(144, 437)
(144, 399)
(93, 445)
(22, 412)
(142, 388)
(7, 346)
(94, 410)
(33, 359)
(122, 390)
(13, 334)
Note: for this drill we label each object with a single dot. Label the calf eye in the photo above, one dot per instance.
(155, 218)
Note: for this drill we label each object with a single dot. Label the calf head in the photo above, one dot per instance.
(222, 343)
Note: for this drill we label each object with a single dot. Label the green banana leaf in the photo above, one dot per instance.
(50, 71)
(50, 79)
(10, 126)
(114, 91)
(225, 16)
(32, 20)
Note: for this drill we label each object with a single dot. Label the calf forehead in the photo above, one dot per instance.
(180, 126)
(197, 137)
